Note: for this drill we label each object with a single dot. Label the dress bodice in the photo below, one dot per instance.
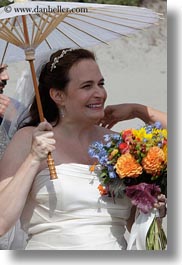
(69, 214)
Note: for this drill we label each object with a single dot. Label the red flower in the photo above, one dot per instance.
(123, 148)
(127, 136)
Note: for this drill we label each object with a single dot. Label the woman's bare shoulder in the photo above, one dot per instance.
(103, 131)
(20, 143)
(23, 134)
(25, 131)
(16, 151)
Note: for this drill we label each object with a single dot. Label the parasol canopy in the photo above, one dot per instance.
(58, 25)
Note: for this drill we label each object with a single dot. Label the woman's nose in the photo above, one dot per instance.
(99, 92)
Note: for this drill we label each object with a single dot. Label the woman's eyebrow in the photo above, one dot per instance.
(102, 79)
(87, 82)
(91, 81)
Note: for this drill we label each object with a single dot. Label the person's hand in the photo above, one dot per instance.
(116, 113)
(42, 141)
(161, 205)
(4, 102)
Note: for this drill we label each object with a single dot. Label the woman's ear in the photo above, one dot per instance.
(57, 96)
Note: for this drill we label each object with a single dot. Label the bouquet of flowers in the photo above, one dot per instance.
(134, 163)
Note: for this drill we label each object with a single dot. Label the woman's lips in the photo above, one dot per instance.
(95, 106)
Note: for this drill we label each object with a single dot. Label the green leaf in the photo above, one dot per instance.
(156, 238)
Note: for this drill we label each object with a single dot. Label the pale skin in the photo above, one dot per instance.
(127, 111)
(26, 154)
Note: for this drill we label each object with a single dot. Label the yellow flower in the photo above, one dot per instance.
(152, 163)
(127, 166)
(141, 134)
(113, 153)
(164, 133)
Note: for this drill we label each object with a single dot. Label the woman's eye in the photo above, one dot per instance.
(87, 86)
(101, 84)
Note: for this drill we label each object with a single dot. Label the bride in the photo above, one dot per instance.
(67, 213)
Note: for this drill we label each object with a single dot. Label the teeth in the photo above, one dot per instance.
(92, 106)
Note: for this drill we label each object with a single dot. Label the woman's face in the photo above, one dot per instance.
(85, 96)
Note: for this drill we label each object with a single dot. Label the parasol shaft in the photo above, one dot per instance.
(30, 59)
(37, 95)
(50, 160)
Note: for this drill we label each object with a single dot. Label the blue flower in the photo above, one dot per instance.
(149, 129)
(116, 137)
(109, 144)
(158, 125)
(107, 137)
(103, 159)
(91, 152)
(112, 175)
(113, 137)
(159, 144)
(111, 171)
(98, 151)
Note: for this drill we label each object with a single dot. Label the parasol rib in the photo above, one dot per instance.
(101, 27)
(111, 22)
(127, 10)
(6, 47)
(85, 32)
(51, 25)
(7, 34)
(69, 38)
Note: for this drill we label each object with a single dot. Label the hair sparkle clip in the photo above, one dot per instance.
(56, 59)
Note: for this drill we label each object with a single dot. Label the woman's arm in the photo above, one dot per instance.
(150, 115)
(19, 166)
(127, 111)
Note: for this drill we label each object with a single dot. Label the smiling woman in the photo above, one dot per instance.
(67, 213)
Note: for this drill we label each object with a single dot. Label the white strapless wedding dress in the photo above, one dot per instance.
(69, 214)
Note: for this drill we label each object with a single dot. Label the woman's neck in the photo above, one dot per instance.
(77, 130)
(73, 141)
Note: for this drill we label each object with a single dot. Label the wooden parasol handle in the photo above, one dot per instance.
(51, 165)
(50, 160)
(30, 58)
